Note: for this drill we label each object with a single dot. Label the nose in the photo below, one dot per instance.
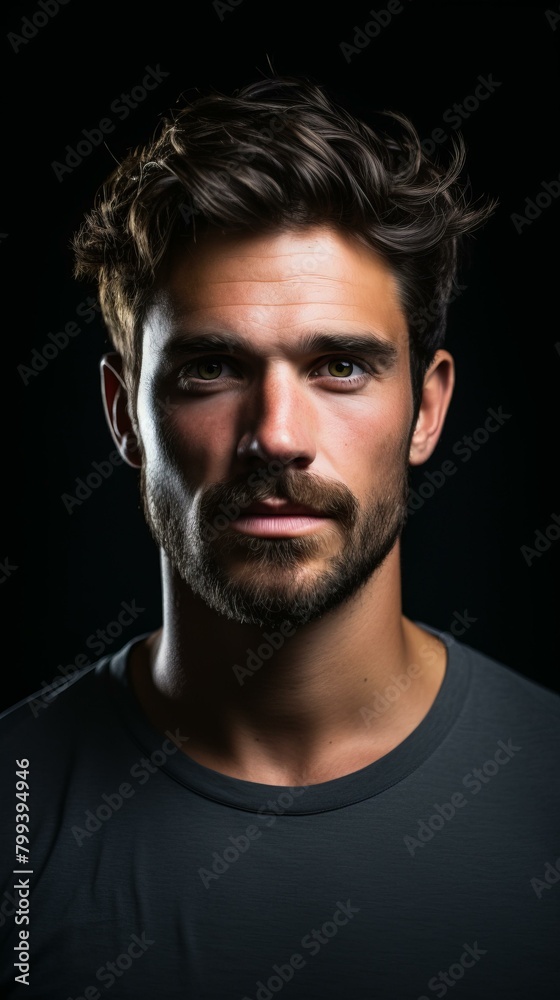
(279, 421)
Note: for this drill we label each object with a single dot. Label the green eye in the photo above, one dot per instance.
(337, 367)
(212, 365)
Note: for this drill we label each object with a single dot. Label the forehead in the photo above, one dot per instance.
(275, 285)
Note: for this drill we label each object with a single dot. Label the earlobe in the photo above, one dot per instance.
(115, 403)
(436, 396)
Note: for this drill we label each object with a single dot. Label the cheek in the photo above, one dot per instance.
(180, 441)
(370, 443)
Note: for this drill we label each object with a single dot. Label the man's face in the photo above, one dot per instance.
(332, 422)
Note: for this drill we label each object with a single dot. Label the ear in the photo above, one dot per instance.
(436, 396)
(117, 409)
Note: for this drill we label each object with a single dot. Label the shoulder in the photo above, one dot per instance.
(69, 708)
(46, 710)
(491, 695)
(492, 673)
(499, 695)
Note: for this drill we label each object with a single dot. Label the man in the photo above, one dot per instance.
(262, 265)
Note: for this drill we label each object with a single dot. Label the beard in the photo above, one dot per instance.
(273, 582)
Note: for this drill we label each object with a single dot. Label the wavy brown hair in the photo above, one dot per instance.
(280, 154)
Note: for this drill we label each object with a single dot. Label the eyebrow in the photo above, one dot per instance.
(318, 342)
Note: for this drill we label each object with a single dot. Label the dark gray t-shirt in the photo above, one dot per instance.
(434, 870)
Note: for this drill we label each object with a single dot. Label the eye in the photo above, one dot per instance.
(340, 368)
(194, 374)
(208, 369)
(202, 369)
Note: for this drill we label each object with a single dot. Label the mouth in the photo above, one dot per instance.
(281, 508)
(278, 518)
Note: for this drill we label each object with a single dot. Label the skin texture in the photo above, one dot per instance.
(317, 438)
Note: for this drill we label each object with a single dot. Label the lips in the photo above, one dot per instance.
(270, 508)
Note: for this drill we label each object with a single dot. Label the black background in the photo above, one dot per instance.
(462, 548)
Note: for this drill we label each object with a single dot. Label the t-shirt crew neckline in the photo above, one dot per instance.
(255, 797)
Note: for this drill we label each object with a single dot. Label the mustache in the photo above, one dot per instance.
(330, 497)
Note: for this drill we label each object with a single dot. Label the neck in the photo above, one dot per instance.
(293, 707)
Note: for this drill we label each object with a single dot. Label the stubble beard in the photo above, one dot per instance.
(274, 586)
